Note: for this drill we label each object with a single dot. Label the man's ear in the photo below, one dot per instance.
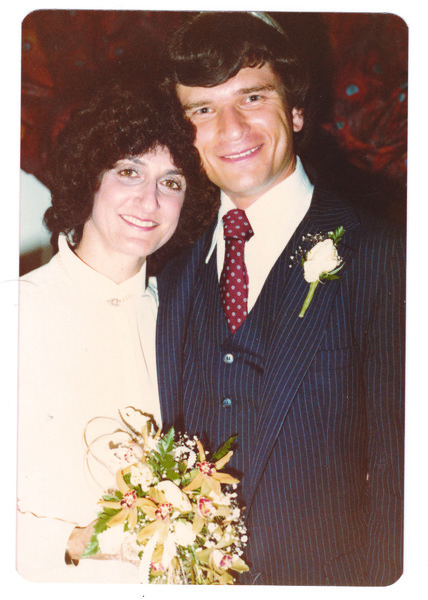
(298, 119)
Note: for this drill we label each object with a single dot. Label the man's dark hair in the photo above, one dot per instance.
(212, 47)
(120, 122)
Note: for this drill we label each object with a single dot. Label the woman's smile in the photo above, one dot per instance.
(139, 223)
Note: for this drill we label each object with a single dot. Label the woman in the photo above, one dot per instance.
(123, 170)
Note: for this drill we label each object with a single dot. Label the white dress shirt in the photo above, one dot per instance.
(274, 218)
(86, 349)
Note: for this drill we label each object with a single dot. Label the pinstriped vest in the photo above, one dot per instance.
(228, 368)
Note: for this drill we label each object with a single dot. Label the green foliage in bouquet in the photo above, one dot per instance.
(173, 518)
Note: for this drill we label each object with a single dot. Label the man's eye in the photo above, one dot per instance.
(204, 110)
(254, 98)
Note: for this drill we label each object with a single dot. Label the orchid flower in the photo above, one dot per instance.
(128, 504)
(163, 499)
(217, 564)
(208, 478)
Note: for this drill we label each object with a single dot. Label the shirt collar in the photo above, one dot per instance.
(100, 285)
(287, 198)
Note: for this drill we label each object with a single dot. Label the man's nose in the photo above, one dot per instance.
(232, 124)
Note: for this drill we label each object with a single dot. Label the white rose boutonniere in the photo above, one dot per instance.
(323, 258)
(321, 262)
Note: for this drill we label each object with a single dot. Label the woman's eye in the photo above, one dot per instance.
(172, 184)
(127, 172)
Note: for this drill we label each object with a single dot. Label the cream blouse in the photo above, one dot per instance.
(86, 349)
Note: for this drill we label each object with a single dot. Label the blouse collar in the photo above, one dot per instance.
(99, 285)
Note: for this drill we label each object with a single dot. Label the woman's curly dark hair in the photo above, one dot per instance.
(120, 122)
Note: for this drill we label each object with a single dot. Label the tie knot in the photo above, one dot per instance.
(236, 225)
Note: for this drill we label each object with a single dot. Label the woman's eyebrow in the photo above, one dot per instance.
(133, 159)
(174, 172)
(139, 161)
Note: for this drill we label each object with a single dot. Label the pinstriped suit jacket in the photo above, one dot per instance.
(317, 402)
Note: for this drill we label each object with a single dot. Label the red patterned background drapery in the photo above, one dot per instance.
(358, 61)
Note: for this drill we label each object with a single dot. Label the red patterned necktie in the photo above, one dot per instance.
(234, 276)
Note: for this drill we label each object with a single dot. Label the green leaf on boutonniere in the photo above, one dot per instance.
(337, 235)
(332, 274)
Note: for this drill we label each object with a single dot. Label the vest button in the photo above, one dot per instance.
(227, 403)
(228, 359)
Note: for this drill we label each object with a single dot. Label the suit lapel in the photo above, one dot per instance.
(295, 340)
(176, 286)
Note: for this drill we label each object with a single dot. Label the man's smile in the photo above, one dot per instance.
(243, 154)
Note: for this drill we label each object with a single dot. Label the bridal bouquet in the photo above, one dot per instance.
(169, 513)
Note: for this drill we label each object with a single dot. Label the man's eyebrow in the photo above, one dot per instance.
(198, 104)
(268, 87)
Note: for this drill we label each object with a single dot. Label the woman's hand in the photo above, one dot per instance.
(78, 541)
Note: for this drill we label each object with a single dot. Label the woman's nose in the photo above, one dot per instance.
(148, 196)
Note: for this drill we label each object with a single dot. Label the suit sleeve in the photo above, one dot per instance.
(384, 380)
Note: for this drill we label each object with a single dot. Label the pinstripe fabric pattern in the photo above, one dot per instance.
(317, 402)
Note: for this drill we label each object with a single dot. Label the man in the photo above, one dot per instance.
(315, 400)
